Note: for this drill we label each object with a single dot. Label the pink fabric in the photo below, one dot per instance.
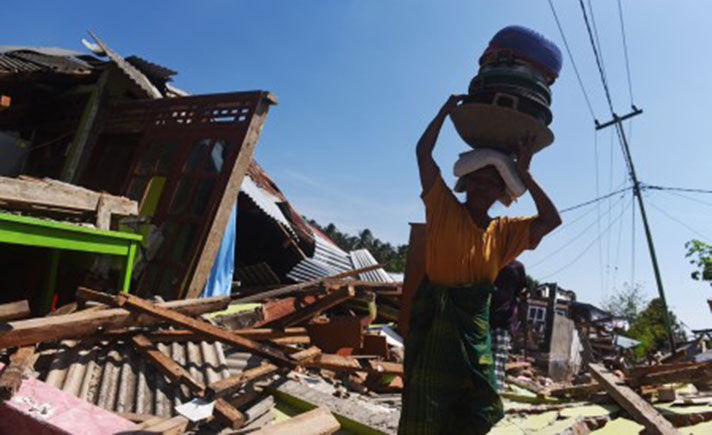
(38, 408)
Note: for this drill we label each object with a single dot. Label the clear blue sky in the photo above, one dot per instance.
(359, 80)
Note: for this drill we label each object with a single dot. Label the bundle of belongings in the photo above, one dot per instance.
(508, 99)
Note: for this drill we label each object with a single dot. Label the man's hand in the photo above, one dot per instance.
(525, 149)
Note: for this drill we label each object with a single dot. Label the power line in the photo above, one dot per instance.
(585, 250)
(677, 189)
(668, 192)
(625, 51)
(573, 63)
(595, 32)
(673, 218)
(600, 198)
(572, 240)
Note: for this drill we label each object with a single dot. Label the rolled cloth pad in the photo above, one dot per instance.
(479, 158)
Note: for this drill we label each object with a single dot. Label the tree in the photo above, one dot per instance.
(649, 328)
(392, 257)
(627, 302)
(700, 255)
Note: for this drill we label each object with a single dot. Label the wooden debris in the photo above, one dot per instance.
(56, 194)
(11, 376)
(141, 305)
(323, 304)
(577, 391)
(14, 310)
(635, 405)
(176, 373)
(233, 383)
(294, 288)
(317, 421)
(260, 334)
(172, 370)
(172, 426)
(85, 324)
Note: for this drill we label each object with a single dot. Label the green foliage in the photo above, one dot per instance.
(392, 257)
(700, 255)
(627, 302)
(649, 328)
(532, 284)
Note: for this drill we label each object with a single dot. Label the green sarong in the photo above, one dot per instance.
(449, 380)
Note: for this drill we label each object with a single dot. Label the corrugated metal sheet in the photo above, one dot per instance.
(256, 274)
(25, 61)
(266, 202)
(151, 69)
(328, 259)
(363, 258)
(117, 378)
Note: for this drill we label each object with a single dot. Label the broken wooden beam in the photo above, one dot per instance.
(135, 303)
(583, 390)
(229, 385)
(179, 375)
(14, 310)
(11, 376)
(259, 334)
(318, 421)
(641, 411)
(60, 195)
(293, 288)
(307, 313)
(84, 324)
(172, 370)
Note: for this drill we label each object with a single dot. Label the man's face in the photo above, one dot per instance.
(485, 183)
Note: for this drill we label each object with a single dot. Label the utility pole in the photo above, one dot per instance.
(617, 121)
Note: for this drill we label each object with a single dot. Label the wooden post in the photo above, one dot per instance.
(636, 406)
(414, 273)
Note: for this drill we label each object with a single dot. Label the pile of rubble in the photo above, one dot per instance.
(172, 365)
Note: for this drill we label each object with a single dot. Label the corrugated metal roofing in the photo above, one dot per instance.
(266, 202)
(363, 258)
(117, 378)
(328, 259)
(151, 69)
(26, 61)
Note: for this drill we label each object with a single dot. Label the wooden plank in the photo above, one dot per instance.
(307, 313)
(689, 374)
(230, 385)
(11, 377)
(176, 373)
(318, 421)
(137, 304)
(14, 310)
(385, 367)
(55, 194)
(203, 261)
(293, 288)
(171, 369)
(577, 390)
(85, 324)
(414, 273)
(172, 426)
(641, 411)
(259, 334)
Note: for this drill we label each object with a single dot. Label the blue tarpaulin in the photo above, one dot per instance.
(220, 279)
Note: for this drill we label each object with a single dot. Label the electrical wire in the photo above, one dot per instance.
(673, 218)
(595, 32)
(585, 250)
(598, 208)
(573, 62)
(632, 249)
(625, 51)
(572, 240)
(680, 195)
(593, 201)
(677, 189)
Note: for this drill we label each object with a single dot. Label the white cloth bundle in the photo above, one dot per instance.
(478, 158)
